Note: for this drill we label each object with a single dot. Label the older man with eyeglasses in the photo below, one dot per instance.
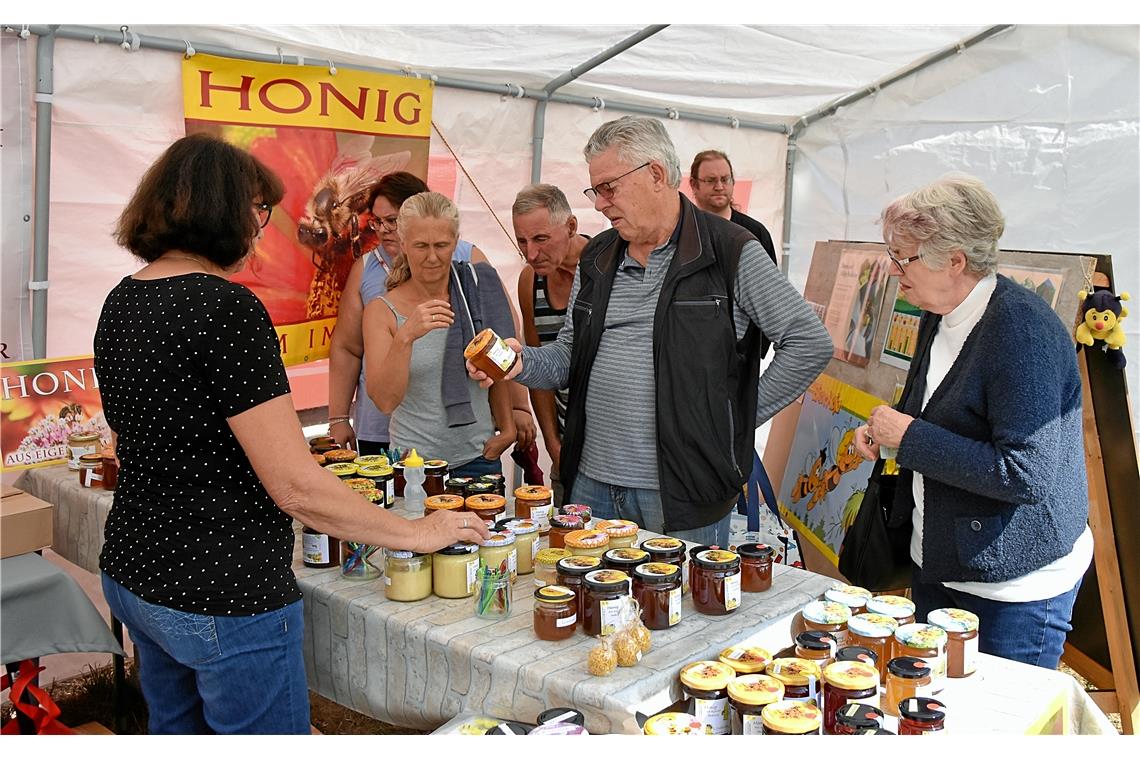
(661, 350)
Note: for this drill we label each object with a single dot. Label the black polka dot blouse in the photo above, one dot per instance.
(192, 527)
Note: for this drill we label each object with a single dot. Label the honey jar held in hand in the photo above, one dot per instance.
(490, 354)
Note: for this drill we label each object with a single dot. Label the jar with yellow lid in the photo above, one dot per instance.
(526, 538)
(907, 677)
(845, 682)
(571, 573)
(706, 683)
(560, 527)
(343, 470)
(875, 632)
(715, 582)
(79, 444)
(747, 660)
(488, 506)
(898, 607)
(792, 718)
(334, 456)
(453, 570)
(801, 678)
(927, 642)
(380, 475)
(360, 484)
(372, 460)
(828, 617)
(535, 503)
(657, 588)
(545, 566)
(588, 543)
(854, 597)
(407, 575)
(501, 548)
(673, 724)
(555, 613)
(443, 502)
(748, 695)
(819, 646)
(961, 628)
(603, 591)
(623, 533)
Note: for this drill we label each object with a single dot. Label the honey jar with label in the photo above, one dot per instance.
(407, 575)
(927, 642)
(453, 570)
(875, 632)
(801, 678)
(846, 682)
(748, 695)
(961, 628)
(906, 677)
(828, 617)
(488, 506)
(706, 683)
(603, 591)
(792, 718)
(560, 527)
(755, 567)
(526, 537)
(746, 660)
(571, 573)
(488, 353)
(715, 582)
(854, 597)
(535, 503)
(555, 613)
(657, 588)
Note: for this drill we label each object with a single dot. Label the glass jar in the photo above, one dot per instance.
(588, 543)
(623, 533)
(555, 613)
(921, 715)
(356, 561)
(854, 597)
(716, 582)
(319, 549)
(560, 527)
(90, 470)
(791, 718)
(906, 677)
(381, 476)
(343, 470)
(110, 471)
(545, 562)
(488, 506)
(846, 682)
(398, 481)
(875, 632)
(453, 570)
(572, 573)
(457, 486)
(961, 629)
(748, 695)
(624, 559)
(898, 607)
(603, 591)
(359, 484)
(498, 549)
(687, 581)
(581, 510)
(829, 617)
(670, 551)
(927, 642)
(657, 588)
(372, 460)
(819, 646)
(673, 724)
(407, 575)
(435, 472)
(443, 502)
(526, 536)
(855, 718)
(755, 567)
(79, 444)
(492, 593)
(477, 487)
(490, 355)
(561, 715)
(706, 683)
(858, 654)
(497, 480)
(801, 678)
(535, 503)
(747, 661)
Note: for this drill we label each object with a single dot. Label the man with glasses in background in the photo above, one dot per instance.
(661, 347)
(712, 182)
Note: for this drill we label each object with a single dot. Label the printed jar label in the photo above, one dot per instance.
(713, 713)
(610, 610)
(566, 622)
(533, 550)
(315, 548)
(472, 568)
(732, 592)
(501, 354)
(390, 492)
(541, 515)
(674, 607)
(513, 561)
(90, 477)
(751, 725)
(970, 655)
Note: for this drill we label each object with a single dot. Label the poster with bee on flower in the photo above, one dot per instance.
(330, 135)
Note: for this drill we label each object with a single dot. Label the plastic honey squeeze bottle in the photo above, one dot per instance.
(414, 493)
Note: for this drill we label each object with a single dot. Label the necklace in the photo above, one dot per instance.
(203, 266)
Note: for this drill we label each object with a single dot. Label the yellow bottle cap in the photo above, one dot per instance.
(413, 460)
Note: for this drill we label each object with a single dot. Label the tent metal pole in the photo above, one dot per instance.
(45, 49)
(786, 235)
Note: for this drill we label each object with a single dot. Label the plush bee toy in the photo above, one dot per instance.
(1100, 324)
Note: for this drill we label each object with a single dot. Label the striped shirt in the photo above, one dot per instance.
(620, 446)
(547, 322)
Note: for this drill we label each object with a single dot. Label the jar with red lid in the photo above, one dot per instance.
(571, 572)
(604, 591)
(875, 632)
(801, 678)
(715, 582)
(657, 588)
(624, 559)
(906, 677)
(755, 567)
(921, 715)
(560, 525)
(792, 718)
(844, 683)
(819, 646)
(961, 628)
(748, 695)
(555, 613)
(854, 597)
(706, 683)
(927, 642)
(828, 617)
(856, 718)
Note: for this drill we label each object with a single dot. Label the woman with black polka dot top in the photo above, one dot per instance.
(214, 466)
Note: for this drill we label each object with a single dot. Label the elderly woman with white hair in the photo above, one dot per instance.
(989, 437)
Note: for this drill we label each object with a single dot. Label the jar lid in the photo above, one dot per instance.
(91, 459)
(897, 607)
(559, 729)
(493, 477)
(789, 717)
(654, 572)
(693, 552)
(755, 551)
(444, 501)
(402, 554)
(582, 510)
(372, 470)
(371, 460)
(591, 538)
(921, 636)
(854, 676)
(561, 715)
(508, 728)
(340, 469)
(341, 455)
(857, 654)
(794, 671)
(872, 625)
(817, 641)
(485, 502)
(859, 716)
(755, 689)
(554, 594)
(356, 484)
(674, 723)
(435, 464)
(522, 527)
(827, 613)
(717, 559)
(478, 487)
(458, 481)
(460, 548)
(500, 539)
(922, 709)
(550, 556)
(626, 556)
(567, 522)
(398, 465)
(372, 495)
(747, 660)
(852, 596)
(578, 565)
(533, 493)
(662, 545)
(607, 580)
(87, 437)
(953, 620)
(707, 675)
(908, 667)
(618, 528)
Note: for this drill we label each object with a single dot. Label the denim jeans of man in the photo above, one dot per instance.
(1029, 632)
(478, 466)
(204, 674)
(642, 506)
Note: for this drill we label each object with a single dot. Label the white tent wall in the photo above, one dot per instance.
(1046, 116)
(17, 81)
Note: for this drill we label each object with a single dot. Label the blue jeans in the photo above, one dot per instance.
(480, 465)
(1029, 632)
(642, 506)
(204, 674)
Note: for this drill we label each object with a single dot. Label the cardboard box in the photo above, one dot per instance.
(25, 524)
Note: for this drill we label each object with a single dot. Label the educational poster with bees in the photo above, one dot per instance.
(330, 135)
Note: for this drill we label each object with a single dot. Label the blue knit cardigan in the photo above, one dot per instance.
(1000, 446)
